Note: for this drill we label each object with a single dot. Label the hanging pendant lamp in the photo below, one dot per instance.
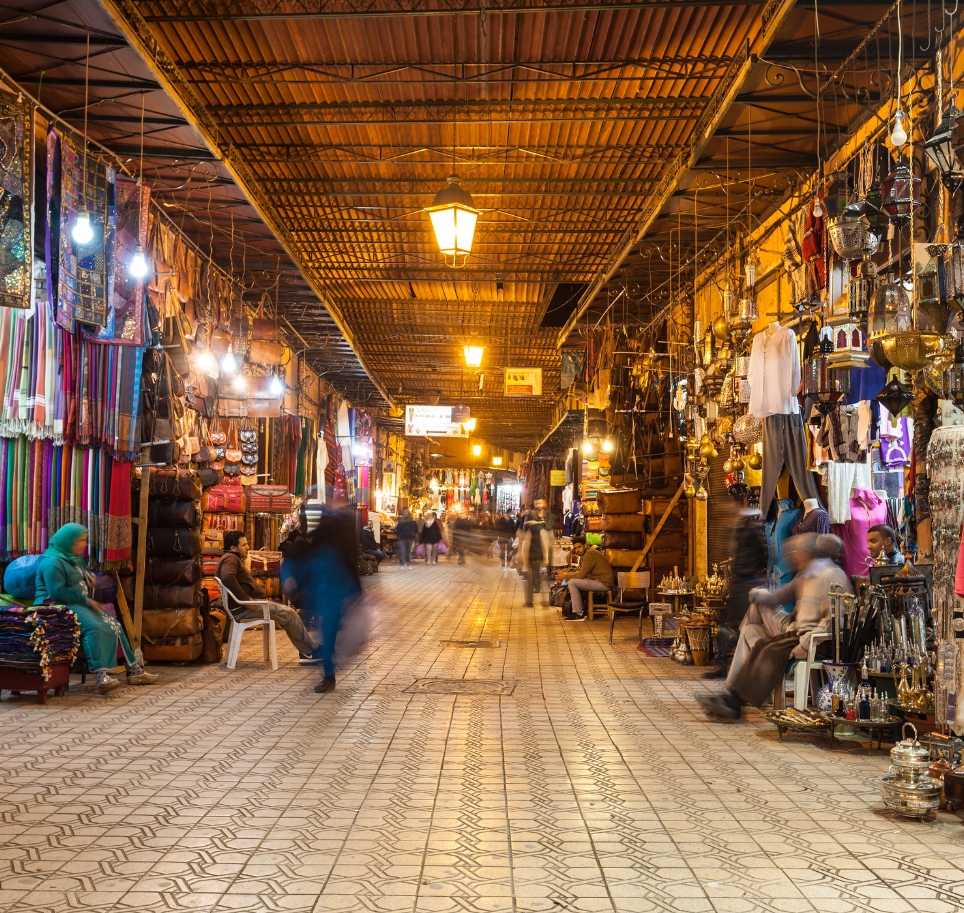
(454, 215)
(940, 150)
(901, 193)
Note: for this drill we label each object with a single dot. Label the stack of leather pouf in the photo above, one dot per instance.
(622, 526)
(173, 596)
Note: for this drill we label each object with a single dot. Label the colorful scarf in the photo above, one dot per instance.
(16, 206)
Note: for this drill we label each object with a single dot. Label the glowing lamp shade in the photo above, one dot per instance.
(240, 383)
(229, 364)
(473, 355)
(607, 446)
(587, 446)
(470, 425)
(276, 387)
(496, 461)
(206, 363)
(138, 265)
(82, 233)
(476, 450)
(454, 215)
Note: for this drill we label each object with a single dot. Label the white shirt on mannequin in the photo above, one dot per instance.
(774, 372)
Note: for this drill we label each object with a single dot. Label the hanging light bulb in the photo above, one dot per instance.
(82, 233)
(898, 135)
(240, 383)
(751, 267)
(229, 364)
(138, 264)
(276, 387)
(205, 363)
(818, 210)
(607, 446)
(476, 450)
(587, 446)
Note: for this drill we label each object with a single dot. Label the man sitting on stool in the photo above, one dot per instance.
(236, 577)
(594, 574)
(369, 546)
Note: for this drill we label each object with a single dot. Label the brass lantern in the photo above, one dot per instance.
(825, 385)
(940, 150)
(889, 309)
(933, 300)
(862, 287)
(954, 376)
(955, 266)
(901, 194)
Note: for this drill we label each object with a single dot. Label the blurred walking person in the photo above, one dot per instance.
(406, 532)
(323, 573)
(430, 537)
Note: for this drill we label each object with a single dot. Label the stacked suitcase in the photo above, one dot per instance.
(172, 621)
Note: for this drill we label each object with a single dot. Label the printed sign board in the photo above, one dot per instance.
(523, 381)
(432, 421)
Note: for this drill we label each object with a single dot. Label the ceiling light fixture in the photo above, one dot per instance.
(476, 450)
(473, 355)
(454, 215)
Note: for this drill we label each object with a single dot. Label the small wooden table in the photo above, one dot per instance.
(18, 680)
(871, 727)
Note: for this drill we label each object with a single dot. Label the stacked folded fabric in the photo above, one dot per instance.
(34, 638)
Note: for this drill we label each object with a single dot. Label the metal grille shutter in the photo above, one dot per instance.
(719, 515)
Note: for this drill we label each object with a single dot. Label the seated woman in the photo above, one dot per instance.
(63, 578)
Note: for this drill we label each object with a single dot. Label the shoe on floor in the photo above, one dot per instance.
(325, 685)
(310, 659)
(721, 706)
(571, 616)
(715, 672)
(528, 605)
(142, 678)
(106, 683)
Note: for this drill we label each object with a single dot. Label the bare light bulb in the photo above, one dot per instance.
(818, 210)
(138, 264)
(82, 233)
(898, 135)
(587, 446)
(205, 363)
(607, 446)
(229, 364)
(276, 387)
(240, 383)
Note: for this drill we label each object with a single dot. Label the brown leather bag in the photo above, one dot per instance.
(174, 513)
(262, 352)
(170, 597)
(165, 542)
(264, 330)
(163, 624)
(175, 484)
(174, 650)
(622, 540)
(167, 572)
(212, 636)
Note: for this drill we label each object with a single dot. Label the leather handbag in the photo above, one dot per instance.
(165, 572)
(163, 542)
(622, 540)
(249, 475)
(175, 484)
(219, 438)
(205, 454)
(170, 597)
(269, 499)
(232, 469)
(265, 563)
(209, 476)
(263, 352)
(223, 522)
(249, 459)
(248, 436)
(249, 446)
(179, 514)
(224, 499)
(264, 408)
(264, 330)
(231, 407)
(232, 455)
(212, 636)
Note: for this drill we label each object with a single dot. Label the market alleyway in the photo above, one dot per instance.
(593, 784)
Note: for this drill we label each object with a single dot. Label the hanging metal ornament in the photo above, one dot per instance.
(940, 150)
(954, 376)
(821, 382)
(863, 284)
(895, 396)
(889, 309)
(955, 266)
(900, 194)
(933, 300)
(850, 234)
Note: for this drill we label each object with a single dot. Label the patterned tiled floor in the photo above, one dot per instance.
(595, 786)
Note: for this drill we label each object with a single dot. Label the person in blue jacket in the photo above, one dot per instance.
(63, 579)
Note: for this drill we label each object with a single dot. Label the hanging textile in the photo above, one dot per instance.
(125, 294)
(16, 205)
(108, 396)
(82, 294)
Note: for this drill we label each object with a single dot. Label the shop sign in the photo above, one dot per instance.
(432, 421)
(523, 381)
(557, 477)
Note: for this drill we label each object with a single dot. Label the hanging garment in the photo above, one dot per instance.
(777, 532)
(841, 479)
(896, 440)
(785, 444)
(845, 433)
(813, 252)
(865, 383)
(816, 521)
(867, 509)
(774, 373)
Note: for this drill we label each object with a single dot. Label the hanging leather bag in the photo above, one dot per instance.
(180, 514)
(165, 572)
(170, 597)
(173, 543)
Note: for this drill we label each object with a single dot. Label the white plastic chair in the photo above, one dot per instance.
(802, 669)
(239, 627)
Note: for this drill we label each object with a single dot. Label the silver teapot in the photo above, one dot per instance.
(911, 759)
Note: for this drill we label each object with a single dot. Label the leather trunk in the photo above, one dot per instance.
(163, 542)
(175, 484)
(176, 650)
(619, 557)
(172, 572)
(177, 514)
(619, 540)
(620, 502)
(164, 624)
(623, 523)
(170, 597)
(212, 636)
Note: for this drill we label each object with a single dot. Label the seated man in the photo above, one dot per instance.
(770, 635)
(882, 545)
(234, 574)
(369, 546)
(594, 574)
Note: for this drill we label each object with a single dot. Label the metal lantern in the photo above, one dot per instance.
(954, 376)
(453, 216)
(849, 234)
(933, 300)
(862, 287)
(889, 310)
(826, 386)
(895, 396)
(900, 193)
(940, 150)
(954, 259)
(870, 208)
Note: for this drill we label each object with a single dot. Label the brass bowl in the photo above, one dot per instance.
(910, 350)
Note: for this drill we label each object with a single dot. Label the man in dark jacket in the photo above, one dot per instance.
(237, 579)
(368, 544)
(406, 532)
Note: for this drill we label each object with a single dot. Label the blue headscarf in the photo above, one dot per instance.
(63, 540)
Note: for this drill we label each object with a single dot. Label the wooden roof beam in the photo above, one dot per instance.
(773, 15)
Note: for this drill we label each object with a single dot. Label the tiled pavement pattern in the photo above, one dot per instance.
(596, 786)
